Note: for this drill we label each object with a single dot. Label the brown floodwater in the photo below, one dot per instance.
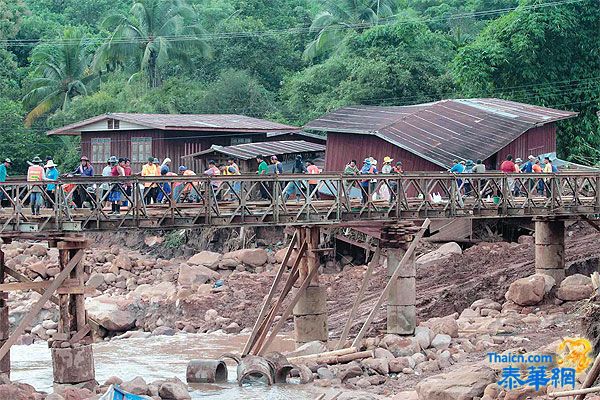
(160, 357)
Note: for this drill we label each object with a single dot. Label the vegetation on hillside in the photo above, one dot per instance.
(289, 60)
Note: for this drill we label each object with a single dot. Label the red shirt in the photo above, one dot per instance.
(507, 167)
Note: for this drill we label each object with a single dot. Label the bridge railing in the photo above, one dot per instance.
(193, 201)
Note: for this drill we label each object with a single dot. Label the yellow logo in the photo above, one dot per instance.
(574, 353)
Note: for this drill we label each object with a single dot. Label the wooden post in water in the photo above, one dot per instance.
(72, 356)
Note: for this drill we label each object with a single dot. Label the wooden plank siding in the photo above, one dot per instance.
(172, 144)
(342, 147)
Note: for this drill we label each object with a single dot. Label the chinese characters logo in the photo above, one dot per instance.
(573, 356)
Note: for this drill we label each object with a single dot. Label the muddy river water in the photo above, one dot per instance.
(160, 357)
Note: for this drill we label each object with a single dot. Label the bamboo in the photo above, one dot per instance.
(387, 288)
(310, 357)
(590, 379)
(359, 355)
(286, 313)
(263, 310)
(359, 297)
(264, 328)
(581, 392)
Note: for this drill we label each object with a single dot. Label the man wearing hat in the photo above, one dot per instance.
(7, 163)
(387, 165)
(51, 175)
(35, 173)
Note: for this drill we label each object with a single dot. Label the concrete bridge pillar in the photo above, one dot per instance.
(550, 248)
(401, 309)
(402, 297)
(310, 313)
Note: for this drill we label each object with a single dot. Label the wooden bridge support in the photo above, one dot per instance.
(72, 357)
(550, 248)
(310, 313)
(4, 324)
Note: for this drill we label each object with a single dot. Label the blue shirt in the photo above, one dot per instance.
(51, 175)
(85, 171)
(457, 168)
(528, 167)
(3, 173)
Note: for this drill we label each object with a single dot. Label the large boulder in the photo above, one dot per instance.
(136, 386)
(250, 257)
(400, 346)
(575, 287)
(123, 262)
(194, 275)
(158, 292)
(280, 255)
(40, 268)
(17, 391)
(527, 291)
(314, 347)
(446, 325)
(206, 258)
(173, 391)
(444, 252)
(465, 383)
(36, 249)
(111, 313)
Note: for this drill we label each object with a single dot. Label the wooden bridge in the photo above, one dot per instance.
(390, 203)
(250, 200)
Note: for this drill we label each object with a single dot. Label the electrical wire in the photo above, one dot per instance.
(281, 32)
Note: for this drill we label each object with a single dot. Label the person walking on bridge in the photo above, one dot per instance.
(263, 169)
(7, 163)
(51, 175)
(35, 174)
(148, 170)
(118, 169)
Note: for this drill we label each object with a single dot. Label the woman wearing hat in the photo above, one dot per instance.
(51, 175)
(35, 174)
(114, 196)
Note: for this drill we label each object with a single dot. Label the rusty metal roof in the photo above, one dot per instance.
(444, 130)
(187, 122)
(248, 151)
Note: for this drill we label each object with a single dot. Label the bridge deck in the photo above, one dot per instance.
(290, 200)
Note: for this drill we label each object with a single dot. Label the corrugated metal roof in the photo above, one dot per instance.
(248, 151)
(443, 130)
(188, 122)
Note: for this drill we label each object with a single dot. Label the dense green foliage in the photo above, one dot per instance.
(289, 60)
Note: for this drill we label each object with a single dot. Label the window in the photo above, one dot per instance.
(113, 123)
(100, 150)
(240, 140)
(141, 149)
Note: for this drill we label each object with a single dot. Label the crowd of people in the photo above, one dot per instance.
(157, 192)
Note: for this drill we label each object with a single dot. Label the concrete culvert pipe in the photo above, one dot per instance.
(206, 371)
(281, 366)
(254, 369)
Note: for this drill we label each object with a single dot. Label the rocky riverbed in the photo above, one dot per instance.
(470, 303)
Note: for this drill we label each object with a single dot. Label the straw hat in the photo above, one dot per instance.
(387, 159)
(50, 164)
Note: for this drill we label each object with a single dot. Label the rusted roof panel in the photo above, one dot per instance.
(443, 130)
(248, 151)
(188, 122)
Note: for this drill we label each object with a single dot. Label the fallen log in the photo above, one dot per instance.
(325, 358)
(575, 392)
(310, 357)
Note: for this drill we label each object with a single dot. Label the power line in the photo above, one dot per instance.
(279, 32)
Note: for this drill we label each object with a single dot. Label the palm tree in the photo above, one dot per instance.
(155, 32)
(62, 72)
(331, 24)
